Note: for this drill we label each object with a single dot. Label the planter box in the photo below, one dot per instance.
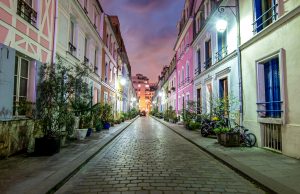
(47, 146)
(229, 139)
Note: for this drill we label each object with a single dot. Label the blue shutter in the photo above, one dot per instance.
(268, 89)
(258, 13)
(7, 68)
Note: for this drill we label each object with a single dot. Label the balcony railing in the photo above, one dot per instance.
(26, 12)
(207, 63)
(221, 53)
(72, 48)
(265, 19)
(272, 109)
(198, 71)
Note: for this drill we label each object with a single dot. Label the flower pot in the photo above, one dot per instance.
(47, 146)
(81, 133)
(106, 125)
(89, 132)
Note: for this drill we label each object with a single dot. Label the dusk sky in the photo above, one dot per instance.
(149, 31)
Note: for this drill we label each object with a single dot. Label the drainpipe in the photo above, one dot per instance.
(239, 63)
(54, 33)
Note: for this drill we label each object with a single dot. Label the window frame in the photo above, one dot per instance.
(281, 54)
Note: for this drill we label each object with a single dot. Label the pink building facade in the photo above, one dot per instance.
(184, 54)
(26, 41)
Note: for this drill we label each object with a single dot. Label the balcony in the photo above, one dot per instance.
(207, 63)
(26, 12)
(265, 19)
(86, 60)
(221, 53)
(72, 49)
(198, 71)
(271, 109)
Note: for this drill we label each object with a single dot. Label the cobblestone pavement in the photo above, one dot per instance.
(150, 158)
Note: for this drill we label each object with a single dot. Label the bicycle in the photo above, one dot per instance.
(246, 138)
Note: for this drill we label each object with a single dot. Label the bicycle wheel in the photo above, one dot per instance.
(250, 139)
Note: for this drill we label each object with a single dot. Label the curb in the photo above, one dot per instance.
(64, 178)
(264, 182)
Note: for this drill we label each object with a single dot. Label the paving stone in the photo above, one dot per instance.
(150, 158)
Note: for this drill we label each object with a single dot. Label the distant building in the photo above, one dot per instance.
(144, 91)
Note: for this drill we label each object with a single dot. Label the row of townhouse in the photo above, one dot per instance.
(34, 32)
(245, 51)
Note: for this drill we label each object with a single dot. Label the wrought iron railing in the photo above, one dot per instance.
(265, 19)
(207, 63)
(198, 70)
(221, 53)
(72, 48)
(271, 109)
(26, 12)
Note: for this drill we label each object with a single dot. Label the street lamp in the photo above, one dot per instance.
(221, 25)
(160, 94)
(123, 81)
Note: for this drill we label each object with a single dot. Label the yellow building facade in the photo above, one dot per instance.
(270, 58)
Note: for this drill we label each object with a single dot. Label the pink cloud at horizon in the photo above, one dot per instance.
(149, 31)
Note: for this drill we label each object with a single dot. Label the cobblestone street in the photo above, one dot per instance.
(150, 158)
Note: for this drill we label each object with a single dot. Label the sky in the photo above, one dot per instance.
(149, 31)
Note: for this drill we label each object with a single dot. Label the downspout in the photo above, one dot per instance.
(54, 33)
(239, 63)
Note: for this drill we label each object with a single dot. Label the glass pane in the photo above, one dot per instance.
(16, 65)
(23, 87)
(24, 68)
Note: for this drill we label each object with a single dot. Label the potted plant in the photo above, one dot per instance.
(56, 85)
(84, 124)
(107, 116)
(226, 137)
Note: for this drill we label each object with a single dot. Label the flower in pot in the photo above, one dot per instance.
(107, 116)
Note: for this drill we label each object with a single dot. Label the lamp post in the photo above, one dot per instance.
(220, 27)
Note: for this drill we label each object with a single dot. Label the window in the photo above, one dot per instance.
(207, 54)
(105, 97)
(268, 81)
(95, 17)
(199, 100)
(85, 49)
(198, 61)
(187, 100)
(85, 6)
(187, 70)
(223, 88)
(106, 72)
(95, 61)
(72, 47)
(222, 45)
(26, 11)
(21, 79)
(265, 11)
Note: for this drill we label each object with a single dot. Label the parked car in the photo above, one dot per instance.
(143, 113)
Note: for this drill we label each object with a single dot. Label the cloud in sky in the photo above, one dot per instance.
(149, 31)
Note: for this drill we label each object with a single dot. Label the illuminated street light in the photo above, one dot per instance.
(221, 25)
(160, 94)
(123, 81)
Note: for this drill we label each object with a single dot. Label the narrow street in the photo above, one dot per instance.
(150, 158)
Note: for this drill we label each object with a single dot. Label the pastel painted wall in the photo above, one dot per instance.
(280, 38)
(186, 52)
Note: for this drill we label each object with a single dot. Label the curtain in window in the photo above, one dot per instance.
(272, 88)
(199, 60)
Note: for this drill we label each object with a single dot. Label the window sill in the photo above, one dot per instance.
(278, 121)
